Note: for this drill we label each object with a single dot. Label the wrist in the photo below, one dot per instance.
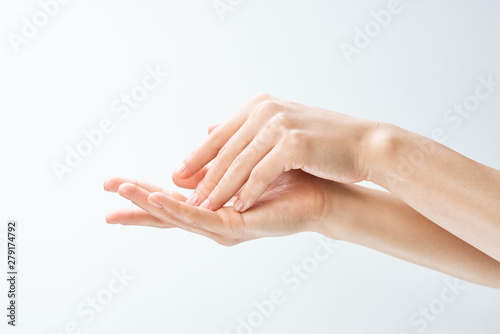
(342, 208)
(383, 148)
(397, 156)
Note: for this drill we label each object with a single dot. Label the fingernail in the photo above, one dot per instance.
(154, 203)
(181, 169)
(193, 199)
(238, 205)
(205, 204)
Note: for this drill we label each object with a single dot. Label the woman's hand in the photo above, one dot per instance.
(295, 202)
(269, 136)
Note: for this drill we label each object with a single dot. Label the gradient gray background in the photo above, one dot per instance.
(65, 79)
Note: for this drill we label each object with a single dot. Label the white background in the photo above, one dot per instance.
(65, 79)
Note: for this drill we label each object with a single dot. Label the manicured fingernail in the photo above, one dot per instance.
(193, 199)
(238, 205)
(205, 204)
(181, 169)
(154, 203)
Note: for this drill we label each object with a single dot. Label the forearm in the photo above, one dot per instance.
(379, 220)
(457, 193)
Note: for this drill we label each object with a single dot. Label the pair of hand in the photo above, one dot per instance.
(281, 163)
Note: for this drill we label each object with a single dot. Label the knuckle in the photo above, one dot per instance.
(253, 148)
(235, 166)
(221, 152)
(294, 138)
(205, 186)
(258, 175)
(260, 97)
(217, 139)
(279, 123)
(267, 108)
(265, 136)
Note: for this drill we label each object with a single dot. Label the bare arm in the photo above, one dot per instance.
(269, 136)
(457, 193)
(380, 221)
(298, 202)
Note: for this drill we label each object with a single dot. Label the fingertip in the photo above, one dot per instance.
(105, 184)
(155, 197)
(181, 171)
(109, 184)
(206, 204)
(245, 208)
(113, 183)
(238, 205)
(125, 189)
(211, 128)
(111, 218)
(179, 181)
(244, 201)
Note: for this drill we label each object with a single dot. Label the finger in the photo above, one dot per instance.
(217, 138)
(190, 182)
(188, 214)
(112, 185)
(212, 128)
(139, 197)
(258, 120)
(261, 177)
(135, 217)
(211, 145)
(239, 171)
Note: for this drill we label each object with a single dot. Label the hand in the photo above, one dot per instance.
(269, 136)
(294, 202)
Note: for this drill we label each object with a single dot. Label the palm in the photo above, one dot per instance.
(288, 205)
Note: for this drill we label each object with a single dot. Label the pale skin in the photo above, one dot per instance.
(287, 168)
